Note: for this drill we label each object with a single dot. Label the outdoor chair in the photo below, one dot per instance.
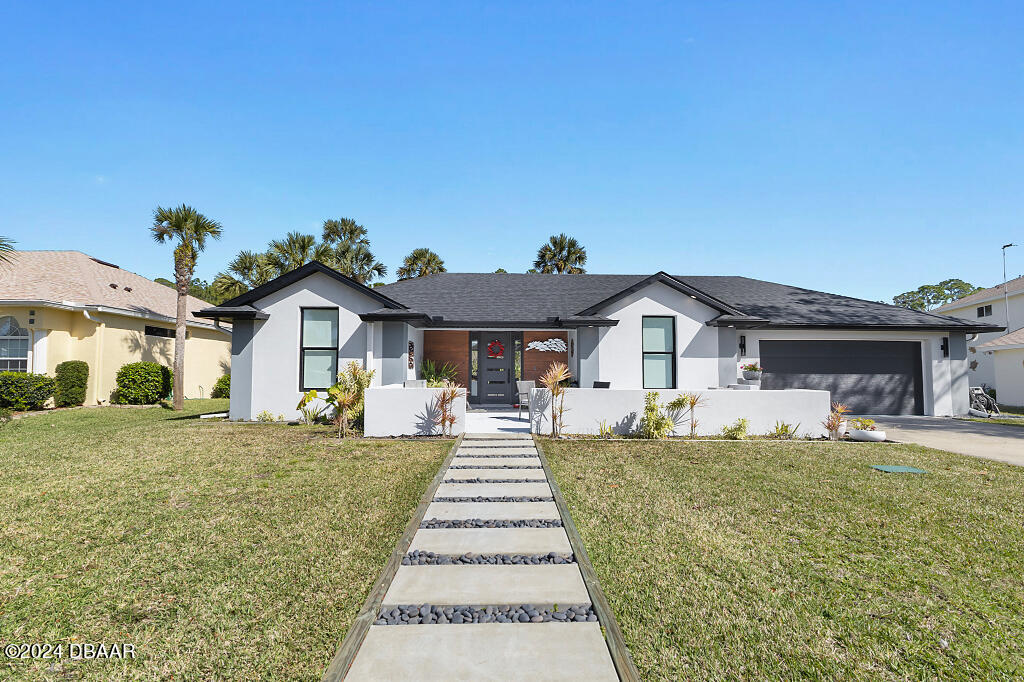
(602, 384)
(523, 388)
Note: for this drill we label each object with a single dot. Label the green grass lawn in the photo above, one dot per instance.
(997, 420)
(221, 551)
(767, 560)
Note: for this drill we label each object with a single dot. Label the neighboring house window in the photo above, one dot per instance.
(659, 352)
(984, 310)
(13, 346)
(163, 332)
(318, 355)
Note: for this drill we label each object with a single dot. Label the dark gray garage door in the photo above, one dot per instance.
(871, 377)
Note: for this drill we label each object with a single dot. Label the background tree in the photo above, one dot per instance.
(501, 270)
(189, 229)
(930, 296)
(343, 246)
(6, 249)
(420, 262)
(199, 288)
(563, 255)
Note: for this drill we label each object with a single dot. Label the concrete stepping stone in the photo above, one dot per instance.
(475, 584)
(539, 652)
(497, 511)
(459, 541)
(496, 461)
(454, 474)
(493, 490)
(469, 437)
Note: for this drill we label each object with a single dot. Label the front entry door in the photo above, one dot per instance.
(496, 380)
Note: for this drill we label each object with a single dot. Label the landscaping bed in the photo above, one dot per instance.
(773, 560)
(218, 550)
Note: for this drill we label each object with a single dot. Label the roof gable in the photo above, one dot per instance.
(668, 280)
(289, 278)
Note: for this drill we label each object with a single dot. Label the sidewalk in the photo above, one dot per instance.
(489, 587)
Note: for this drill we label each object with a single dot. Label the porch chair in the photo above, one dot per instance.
(602, 384)
(523, 388)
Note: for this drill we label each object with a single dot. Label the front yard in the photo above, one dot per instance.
(769, 560)
(219, 550)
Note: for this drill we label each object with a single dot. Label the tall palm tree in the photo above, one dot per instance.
(189, 229)
(345, 230)
(6, 249)
(420, 262)
(563, 255)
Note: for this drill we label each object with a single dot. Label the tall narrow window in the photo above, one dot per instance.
(474, 365)
(13, 346)
(318, 356)
(659, 352)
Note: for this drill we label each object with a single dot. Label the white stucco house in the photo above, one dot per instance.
(629, 332)
(995, 359)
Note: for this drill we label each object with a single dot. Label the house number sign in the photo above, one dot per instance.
(412, 355)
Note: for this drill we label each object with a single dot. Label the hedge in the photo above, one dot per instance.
(24, 391)
(142, 383)
(222, 389)
(72, 377)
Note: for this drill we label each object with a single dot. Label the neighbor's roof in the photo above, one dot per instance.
(497, 297)
(1013, 286)
(1013, 339)
(72, 278)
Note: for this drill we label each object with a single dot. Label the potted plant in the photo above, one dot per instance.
(751, 371)
(865, 430)
(835, 424)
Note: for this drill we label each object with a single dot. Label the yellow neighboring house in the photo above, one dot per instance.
(65, 305)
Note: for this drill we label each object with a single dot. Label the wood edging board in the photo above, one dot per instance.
(346, 654)
(616, 643)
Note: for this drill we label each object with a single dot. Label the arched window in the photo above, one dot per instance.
(13, 346)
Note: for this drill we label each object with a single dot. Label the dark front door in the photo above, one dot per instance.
(496, 381)
(870, 377)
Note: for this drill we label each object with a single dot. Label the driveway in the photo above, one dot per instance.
(1000, 442)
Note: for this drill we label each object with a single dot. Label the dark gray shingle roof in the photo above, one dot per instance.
(511, 297)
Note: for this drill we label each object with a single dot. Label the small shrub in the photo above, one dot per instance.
(222, 389)
(834, 422)
(265, 416)
(655, 423)
(142, 383)
(738, 431)
(783, 431)
(605, 430)
(6, 418)
(356, 379)
(70, 381)
(437, 376)
(24, 390)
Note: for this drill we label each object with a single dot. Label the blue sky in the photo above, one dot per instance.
(862, 148)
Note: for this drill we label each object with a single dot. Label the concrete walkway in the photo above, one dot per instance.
(565, 646)
(1000, 442)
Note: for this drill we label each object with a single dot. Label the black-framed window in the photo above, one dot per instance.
(984, 310)
(659, 351)
(318, 348)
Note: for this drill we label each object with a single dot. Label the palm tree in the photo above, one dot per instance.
(247, 271)
(420, 262)
(6, 249)
(189, 229)
(358, 263)
(294, 251)
(563, 255)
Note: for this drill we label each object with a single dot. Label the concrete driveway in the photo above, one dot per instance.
(1001, 442)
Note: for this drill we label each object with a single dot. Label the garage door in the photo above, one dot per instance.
(871, 377)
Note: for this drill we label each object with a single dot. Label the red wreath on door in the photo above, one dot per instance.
(495, 349)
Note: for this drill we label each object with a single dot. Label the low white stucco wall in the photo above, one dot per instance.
(587, 408)
(398, 411)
